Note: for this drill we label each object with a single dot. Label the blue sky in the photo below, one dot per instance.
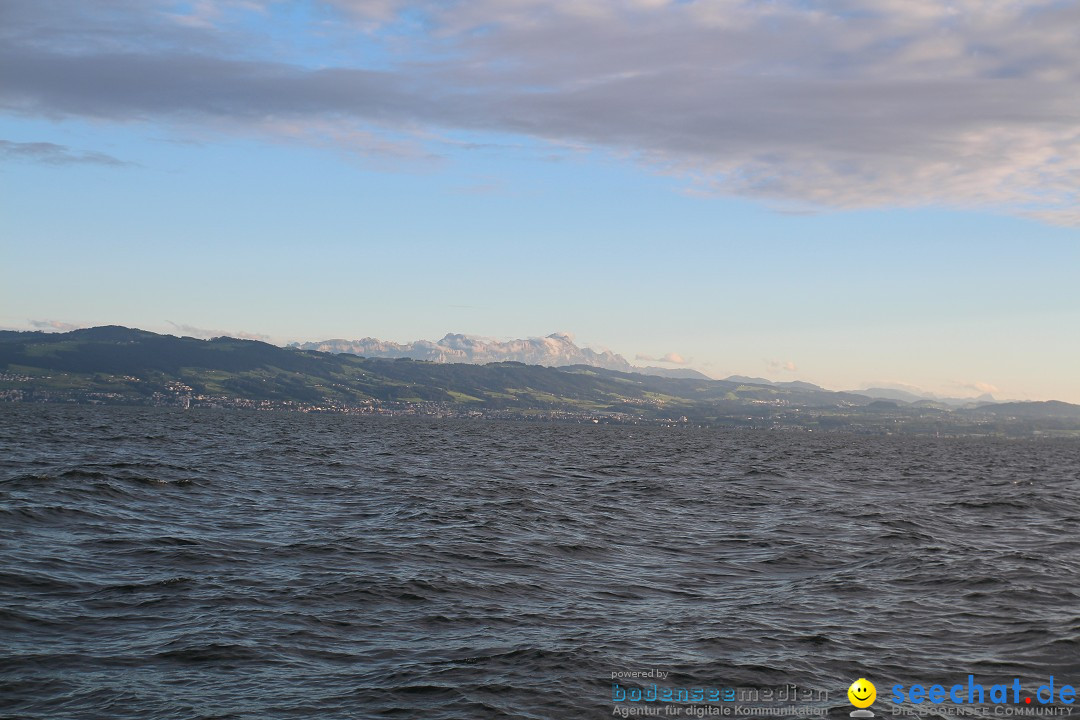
(850, 194)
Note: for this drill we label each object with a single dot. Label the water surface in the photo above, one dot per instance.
(167, 564)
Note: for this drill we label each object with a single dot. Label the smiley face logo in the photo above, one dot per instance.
(862, 693)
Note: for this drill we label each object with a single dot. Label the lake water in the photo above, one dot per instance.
(203, 564)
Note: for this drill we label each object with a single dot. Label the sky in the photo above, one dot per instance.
(852, 193)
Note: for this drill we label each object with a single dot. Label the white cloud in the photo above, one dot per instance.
(784, 365)
(983, 388)
(56, 325)
(671, 357)
(204, 333)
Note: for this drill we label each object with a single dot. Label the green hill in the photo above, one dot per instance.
(117, 365)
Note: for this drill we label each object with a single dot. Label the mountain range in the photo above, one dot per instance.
(555, 350)
(905, 394)
(560, 350)
(121, 366)
(913, 395)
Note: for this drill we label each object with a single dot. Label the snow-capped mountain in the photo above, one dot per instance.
(555, 350)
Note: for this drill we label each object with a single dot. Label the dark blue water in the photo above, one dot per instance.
(160, 564)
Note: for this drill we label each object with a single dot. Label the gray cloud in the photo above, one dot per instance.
(53, 154)
(805, 105)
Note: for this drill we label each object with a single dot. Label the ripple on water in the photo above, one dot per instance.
(210, 564)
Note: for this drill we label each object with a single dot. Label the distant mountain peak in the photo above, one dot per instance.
(911, 394)
(555, 350)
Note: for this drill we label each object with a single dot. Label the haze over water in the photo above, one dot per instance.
(163, 564)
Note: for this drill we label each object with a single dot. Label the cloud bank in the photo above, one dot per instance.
(800, 104)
